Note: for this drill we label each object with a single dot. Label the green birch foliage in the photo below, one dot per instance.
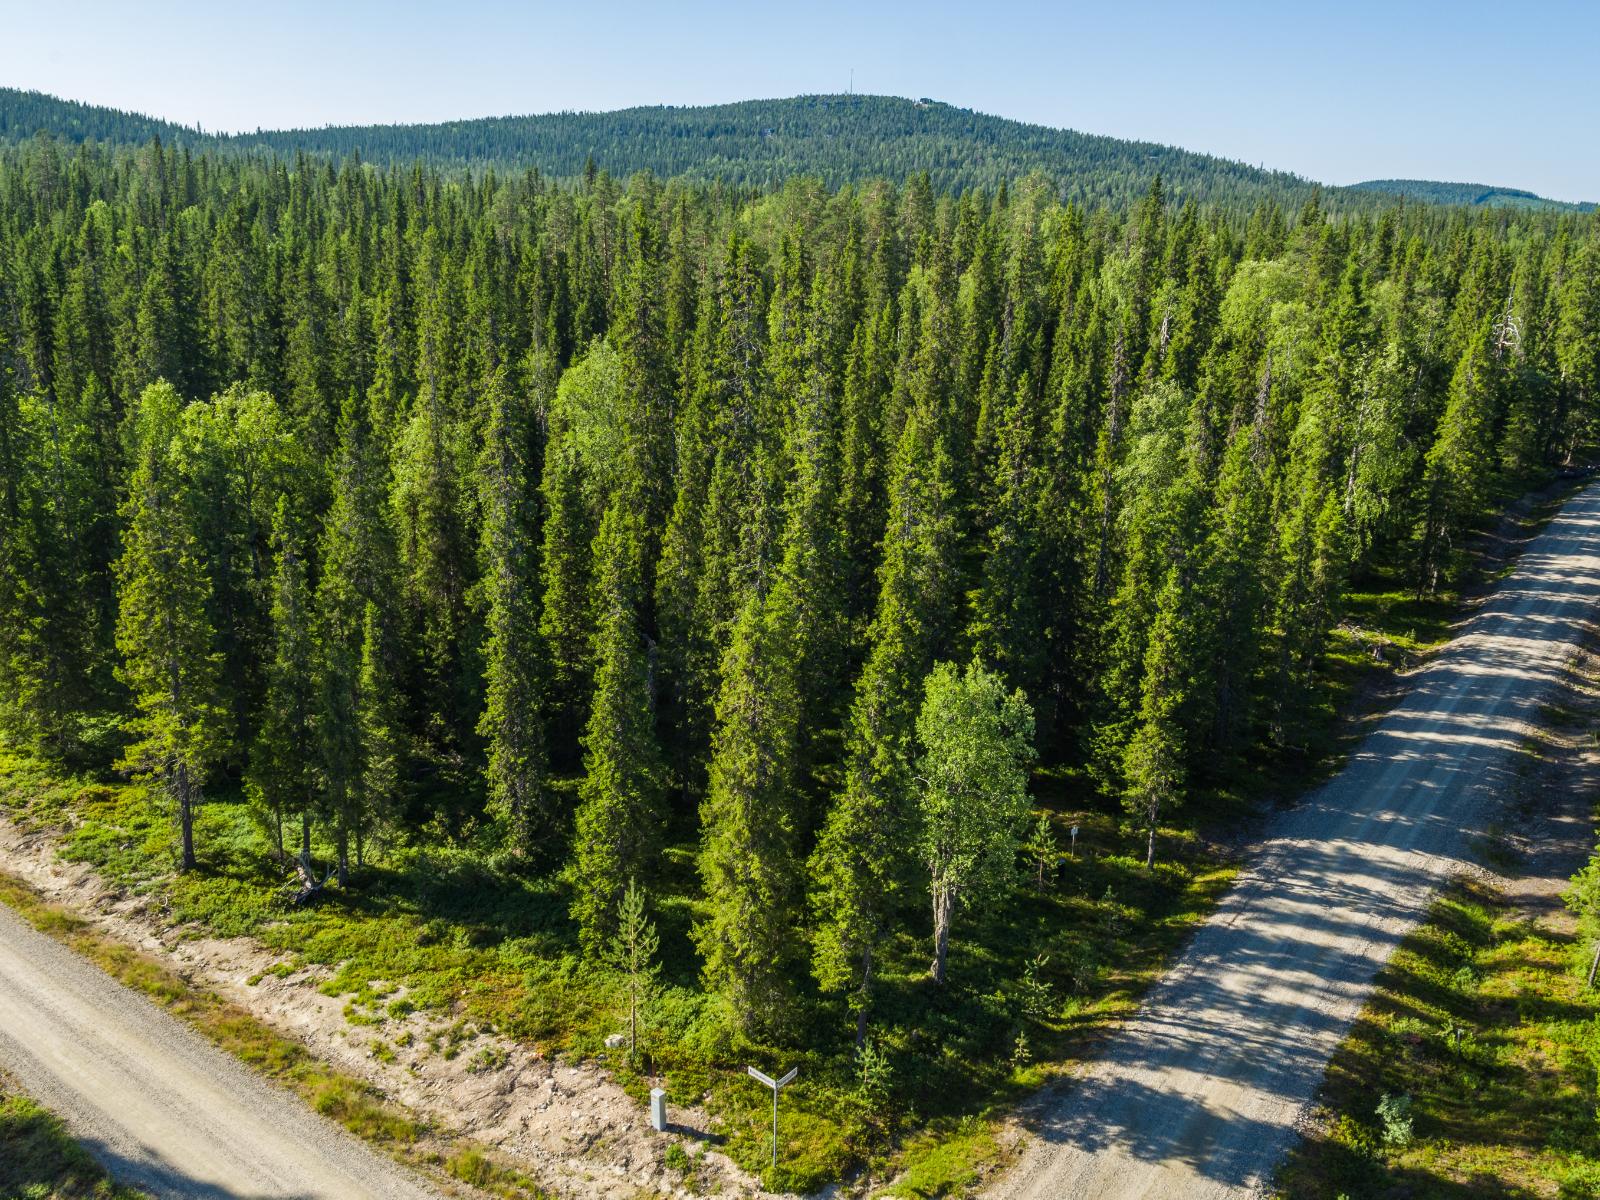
(972, 781)
(1156, 523)
(240, 457)
(1154, 761)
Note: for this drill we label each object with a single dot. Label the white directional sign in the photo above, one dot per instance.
(777, 1085)
(771, 1082)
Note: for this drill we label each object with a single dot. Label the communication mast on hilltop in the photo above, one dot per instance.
(1507, 333)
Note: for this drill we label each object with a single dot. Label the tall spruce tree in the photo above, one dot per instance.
(512, 722)
(619, 800)
(282, 776)
(751, 823)
(862, 857)
(170, 663)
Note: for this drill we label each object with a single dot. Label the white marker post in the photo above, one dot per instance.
(777, 1085)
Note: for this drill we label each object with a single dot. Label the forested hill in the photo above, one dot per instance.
(23, 114)
(760, 143)
(839, 138)
(1471, 195)
(757, 143)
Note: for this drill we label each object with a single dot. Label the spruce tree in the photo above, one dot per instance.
(1458, 466)
(437, 566)
(282, 775)
(566, 618)
(863, 853)
(380, 788)
(170, 663)
(750, 821)
(357, 586)
(512, 722)
(619, 807)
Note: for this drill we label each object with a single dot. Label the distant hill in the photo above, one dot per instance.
(1472, 195)
(757, 142)
(839, 138)
(23, 114)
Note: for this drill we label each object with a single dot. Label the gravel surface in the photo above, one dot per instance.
(162, 1108)
(1198, 1097)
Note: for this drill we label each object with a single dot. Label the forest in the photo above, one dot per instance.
(751, 144)
(812, 529)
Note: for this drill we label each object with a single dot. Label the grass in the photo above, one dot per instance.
(946, 1165)
(349, 1101)
(1484, 1024)
(40, 1160)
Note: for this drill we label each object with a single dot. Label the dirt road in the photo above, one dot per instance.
(164, 1109)
(1197, 1098)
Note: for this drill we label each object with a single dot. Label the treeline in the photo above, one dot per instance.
(578, 521)
(1430, 191)
(758, 144)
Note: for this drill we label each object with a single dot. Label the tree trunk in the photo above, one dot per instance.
(943, 905)
(1150, 850)
(305, 834)
(863, 996)
(633, 1021)
(185, 817)
(344, 854)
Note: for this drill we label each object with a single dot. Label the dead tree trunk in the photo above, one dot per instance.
(309, 886)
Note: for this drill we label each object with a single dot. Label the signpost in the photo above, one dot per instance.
(777, 1085)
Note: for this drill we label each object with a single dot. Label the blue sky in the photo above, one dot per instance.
(1489, 93)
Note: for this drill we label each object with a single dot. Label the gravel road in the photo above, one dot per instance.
(162, 1108)
(1198, 1096)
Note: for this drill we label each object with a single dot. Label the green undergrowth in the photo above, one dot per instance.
(485, 949)
(40, 1160)
(1472, 1072)
(342, 1098)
